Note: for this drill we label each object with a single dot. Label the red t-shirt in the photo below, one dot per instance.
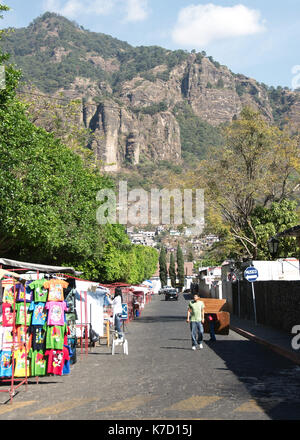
(56, 360)
(7, 315)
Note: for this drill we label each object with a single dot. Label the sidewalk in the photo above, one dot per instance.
(276, 340)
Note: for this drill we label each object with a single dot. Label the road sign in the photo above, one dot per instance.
(251, 274)
(232, 277)
(124, 311)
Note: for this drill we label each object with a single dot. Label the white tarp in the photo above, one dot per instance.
(39, 267)
(95, 295)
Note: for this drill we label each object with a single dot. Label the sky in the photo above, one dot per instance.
(258, 38)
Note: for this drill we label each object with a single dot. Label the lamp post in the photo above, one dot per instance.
(273, 244)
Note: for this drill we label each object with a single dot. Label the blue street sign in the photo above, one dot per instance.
(124, 311)
(251, 274)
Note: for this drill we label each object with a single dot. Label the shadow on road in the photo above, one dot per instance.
(175, 348)
(162, 318)
(272, 381)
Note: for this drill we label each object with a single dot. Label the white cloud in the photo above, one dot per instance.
(200, 25)
(136, 10)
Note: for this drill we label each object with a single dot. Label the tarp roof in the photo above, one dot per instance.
(40, 267)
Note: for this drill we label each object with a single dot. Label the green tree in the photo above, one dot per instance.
(163, 271)
(180, 266)
(172, 270)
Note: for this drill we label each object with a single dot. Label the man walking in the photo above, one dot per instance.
(195, 316)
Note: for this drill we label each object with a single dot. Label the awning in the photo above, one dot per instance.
(38, 267)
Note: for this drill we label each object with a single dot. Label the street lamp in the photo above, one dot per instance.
(273, 244)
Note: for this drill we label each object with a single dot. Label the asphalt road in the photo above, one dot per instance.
(163, 379)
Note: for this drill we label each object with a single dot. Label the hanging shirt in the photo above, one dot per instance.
(20, 364)
(38, 333)
(7, 315)
(56, 289)
(8, 291)
(67, 368)
(39, 313)
(20, 291)
(5, 363)
(40, 293)
(23, 337)
(38, 362)
(55, 337)
(56, 314)
(56, 360)
(20, 315)
(6, 338)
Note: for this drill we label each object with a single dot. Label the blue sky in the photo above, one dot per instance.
(259, 38)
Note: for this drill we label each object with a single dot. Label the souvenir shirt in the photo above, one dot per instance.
(20, 364)
(56, 314)
(21, 291)
(5, 363)
(39, 313)
(38, 362)
(56, 360)
(20, 315)
(23, 335)
(7, 315)
(55, 337)
(56, 289)
(38, 333)
(40, 293)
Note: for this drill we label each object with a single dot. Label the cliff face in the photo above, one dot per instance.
(137, 89)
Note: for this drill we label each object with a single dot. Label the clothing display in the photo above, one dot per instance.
(40, 346)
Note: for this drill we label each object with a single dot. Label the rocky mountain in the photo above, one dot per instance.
(144, 104)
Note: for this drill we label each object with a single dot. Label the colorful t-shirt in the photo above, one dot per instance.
(40, 292)
(23, 336)
(7, 315)
(55, 337)
(20, 364)
(56, 289)
(6, 338)
(67, 368)
(5, 363)
(20, 289)
(20, 315)
(38, 362)
(8, 293)
(39, 313)
(38, 333)
(56, 360)
(56, 314)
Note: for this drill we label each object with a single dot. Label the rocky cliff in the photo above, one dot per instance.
(130, 94)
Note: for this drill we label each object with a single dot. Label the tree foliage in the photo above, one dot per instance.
(172, 270)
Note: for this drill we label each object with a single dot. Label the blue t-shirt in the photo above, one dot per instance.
(5, 363)
(39, 313)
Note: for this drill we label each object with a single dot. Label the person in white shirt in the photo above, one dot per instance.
(117, 310)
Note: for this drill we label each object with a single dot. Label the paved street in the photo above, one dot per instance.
(162, 378)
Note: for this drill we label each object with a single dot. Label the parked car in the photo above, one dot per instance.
(171, 294)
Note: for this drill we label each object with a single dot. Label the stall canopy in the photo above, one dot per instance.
(40, 267)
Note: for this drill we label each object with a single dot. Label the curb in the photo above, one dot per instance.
(276, 348)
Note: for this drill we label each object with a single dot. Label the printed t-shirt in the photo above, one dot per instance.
(7, 315)
(38, 333)
(67, 368)
(56, 289)
(20, 315)
(40, 292)
(8, 292)
(20, 364)
(5, 363)
(55, 337)
(56, 360)
(38, 362)
(196, 307)
(22, 336)
(39, 313)
(56, 314)
(6, 338)
(20, 290)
